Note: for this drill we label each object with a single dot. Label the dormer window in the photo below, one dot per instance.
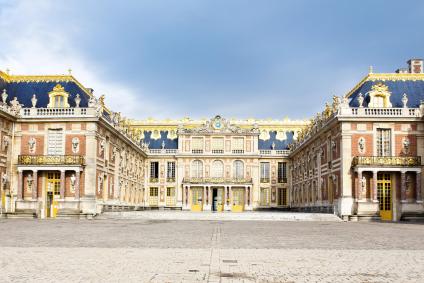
(58, 97)
(379, 96)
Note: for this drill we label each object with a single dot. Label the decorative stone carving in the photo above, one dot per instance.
(15, 105)
(273, 145)
(405, 100)
(4, 179)
(218, 125)
(100, 184)
(32, 144)
(406, 145)
(102, 147)
(6, 142)
(75, 144)
(363, 186)
(34, 101)
(4, 96)
(73, 181)
(30, 181)
(163, 145)
(77, 100)
(114, 153)
(361, 145)
(360, 100)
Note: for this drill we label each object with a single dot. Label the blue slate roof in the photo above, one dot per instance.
(414, 90)
(157, 144)
(279, 145)
(24, 91)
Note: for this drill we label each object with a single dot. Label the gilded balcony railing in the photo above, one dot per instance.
(387, 160)
(218, 180)
(50, 160)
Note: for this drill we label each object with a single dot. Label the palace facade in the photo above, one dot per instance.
(64, 153)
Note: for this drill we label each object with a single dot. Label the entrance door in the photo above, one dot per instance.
(170, 196)
(196, 199)
(282, 196)
(218, 199)
(264, 196)
(384, 195)
(238, 200)
(52, 193)
(153, 197)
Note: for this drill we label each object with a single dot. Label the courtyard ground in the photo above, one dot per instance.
(148, 250)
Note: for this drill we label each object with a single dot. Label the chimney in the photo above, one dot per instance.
(415, 66)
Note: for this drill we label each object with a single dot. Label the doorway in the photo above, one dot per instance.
(384, 195)
(52, 193)
(218, 199)
(196, 199)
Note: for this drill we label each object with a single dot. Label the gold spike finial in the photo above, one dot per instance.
(370, 70)
(70, 71)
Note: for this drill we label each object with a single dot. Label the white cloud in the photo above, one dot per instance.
(32, 42)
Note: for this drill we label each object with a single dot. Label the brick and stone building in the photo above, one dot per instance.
(65, 153)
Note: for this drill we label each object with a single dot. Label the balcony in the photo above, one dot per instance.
(386, 161)
(50, 160)
(154, 180)
(282, 180)
(264, 180)
(170, 179)
(218, 180)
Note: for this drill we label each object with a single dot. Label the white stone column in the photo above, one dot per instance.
(374, 187)
(77, 184)
(20, 195)
(62, 184)
(34, 184)
(359, 186)
(402, 186)
(418, 188)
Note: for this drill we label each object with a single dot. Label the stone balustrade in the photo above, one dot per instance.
(57, 112)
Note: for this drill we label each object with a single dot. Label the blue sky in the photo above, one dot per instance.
(172, 59)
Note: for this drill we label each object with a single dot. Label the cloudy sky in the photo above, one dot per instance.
(171, 59)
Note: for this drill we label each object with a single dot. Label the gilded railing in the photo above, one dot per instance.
(387, 160)
(218, 180)
(50, 160)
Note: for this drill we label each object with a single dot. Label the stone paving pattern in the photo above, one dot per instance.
(139, 250)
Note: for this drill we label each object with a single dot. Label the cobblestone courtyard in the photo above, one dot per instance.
(141, 250)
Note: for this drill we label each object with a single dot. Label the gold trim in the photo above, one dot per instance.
(386, 77)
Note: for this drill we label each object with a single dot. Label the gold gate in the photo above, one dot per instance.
(196, 199)
(238, 200)
(52, 193)
(384, 195)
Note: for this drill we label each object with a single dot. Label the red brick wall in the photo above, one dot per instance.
(68, 145)
(399, 145)
(368, 144)
(39, 147)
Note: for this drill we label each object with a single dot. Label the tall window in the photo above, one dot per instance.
(197, 169)
(217, 169)
(237, 145)
(264, 172)
(55, 142)
(238, 169)
(154, 171)
(197, 145)
(383, 142)
(217, 145)
(170, 172)
(282, 172)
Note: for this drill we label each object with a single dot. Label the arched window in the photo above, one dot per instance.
(238, 169)
(197, 169)
(217, 169)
